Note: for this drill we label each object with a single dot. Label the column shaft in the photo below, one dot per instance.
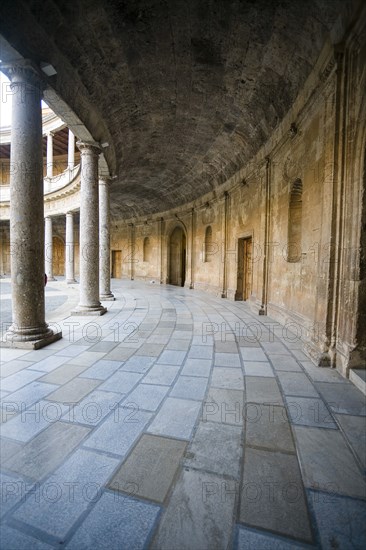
(49, 155)
(69, 252)
(48, 249)
(104, 235)
(29, 328)
(89, 232)
(71, 151)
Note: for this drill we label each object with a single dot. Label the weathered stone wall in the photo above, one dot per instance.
(319, 148)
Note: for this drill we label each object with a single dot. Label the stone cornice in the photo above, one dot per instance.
(24, 71)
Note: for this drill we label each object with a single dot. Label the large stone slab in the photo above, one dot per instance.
(27, 396)
(226, 377)
(139, 363)
(253, 354)
(93, 408)
(250, 539)
(223, 405)
(327, 463)
(85, 359)
(343, 398)
(227, 360)
(102, 369)
(71, 489)
(8, 448)
(340, 520)
(12, 367)
(216, 448)
(197, 367)
(172, 357)
(297, 384)
(120, 353)
(190, 387)
(47, 450)
(267, 426)
(62, 374)
(354, 428)
(200, 352)
(74, 391)
(122, 382)
(116, 522)
(161, 374)
(146, 397)
(309, 411)
(12, 538)
(119, 431)
(19, 380)
(272, 494)
(258, 368)
(150, 469)
(285, 363)
(199, 514)
(263, 390)
(176, 418)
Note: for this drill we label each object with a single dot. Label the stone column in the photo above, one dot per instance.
(89, 232)
(49, 155)
(48, 249)
(69, 252)
(104, 236)
(29, 329)
(71, 151)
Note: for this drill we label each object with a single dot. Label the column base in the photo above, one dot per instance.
(89, 311)
(107, 297)
(71, 281)
(9, 341)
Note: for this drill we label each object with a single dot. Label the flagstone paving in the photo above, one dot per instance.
(184, 422)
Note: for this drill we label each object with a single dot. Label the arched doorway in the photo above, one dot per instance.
(58, 259)
(177, 257)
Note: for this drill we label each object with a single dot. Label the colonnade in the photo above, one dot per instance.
(70, 153)
(31, 233)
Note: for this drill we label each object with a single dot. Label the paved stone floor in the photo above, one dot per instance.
(177, 421)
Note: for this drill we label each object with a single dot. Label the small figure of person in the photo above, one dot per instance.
(45, 279)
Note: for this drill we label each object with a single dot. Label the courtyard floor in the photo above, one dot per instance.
(176, 421)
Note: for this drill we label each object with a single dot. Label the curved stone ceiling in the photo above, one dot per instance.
(184, 91)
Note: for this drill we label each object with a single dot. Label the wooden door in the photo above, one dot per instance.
(117, 264)
(58, 256)
(177, 257)
(244, 273)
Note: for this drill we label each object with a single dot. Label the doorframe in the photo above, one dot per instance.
(112, 263)
(178, 225)
(242, 237)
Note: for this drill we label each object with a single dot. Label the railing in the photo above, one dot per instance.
(50, 184)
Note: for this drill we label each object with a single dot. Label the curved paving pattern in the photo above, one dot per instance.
(179, 420)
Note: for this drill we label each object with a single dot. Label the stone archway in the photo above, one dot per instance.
(177, 252)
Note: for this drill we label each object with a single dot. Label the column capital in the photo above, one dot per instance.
(24, 71)
(86, 147)
(106, 180)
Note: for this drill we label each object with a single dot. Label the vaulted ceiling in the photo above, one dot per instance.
(184, 91)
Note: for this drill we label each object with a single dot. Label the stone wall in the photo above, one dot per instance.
(307, 181)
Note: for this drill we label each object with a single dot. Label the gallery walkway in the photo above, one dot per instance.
(177, 421)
